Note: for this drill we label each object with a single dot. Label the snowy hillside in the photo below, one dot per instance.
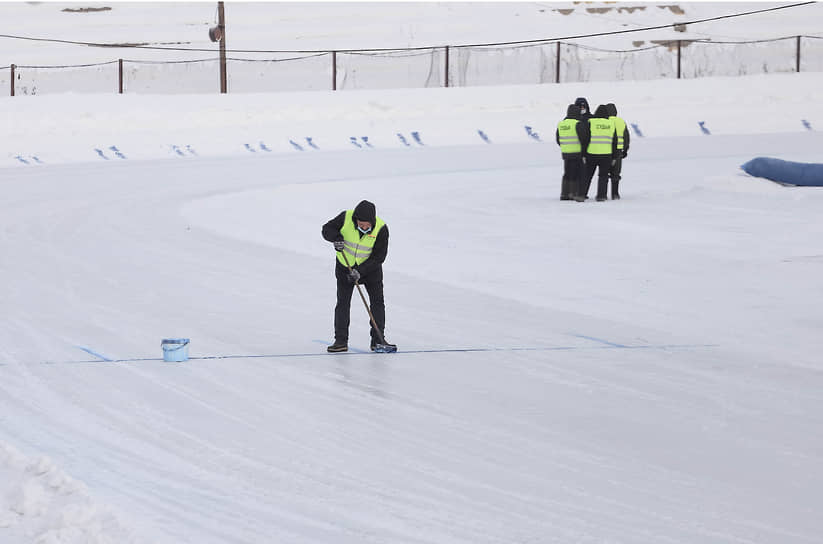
(637, 371)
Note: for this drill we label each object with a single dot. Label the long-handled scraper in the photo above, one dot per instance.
(382, 346)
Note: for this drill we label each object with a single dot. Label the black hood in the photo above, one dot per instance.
(612, 109)
(573, 111)
(583, 102)
(602, 111)
(365, 211)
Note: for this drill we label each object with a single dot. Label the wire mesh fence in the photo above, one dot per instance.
(446, 66)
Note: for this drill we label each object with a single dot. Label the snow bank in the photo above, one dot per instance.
(57, 129)
(41, 504)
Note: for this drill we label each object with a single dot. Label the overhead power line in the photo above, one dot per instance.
(541, 40)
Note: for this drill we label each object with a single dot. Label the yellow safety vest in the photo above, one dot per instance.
(602, 136)
(567, 134)
(620, 128)
(357, 249)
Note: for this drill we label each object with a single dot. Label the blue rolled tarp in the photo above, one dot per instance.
(804, 174)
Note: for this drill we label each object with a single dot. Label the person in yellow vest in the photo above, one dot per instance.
(572, 136)
(364, 240)
(599, 153)
(623, 140)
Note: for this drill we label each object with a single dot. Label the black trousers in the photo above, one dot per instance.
(601, 163)
(572, 174)
(373, 282)
(614, 174)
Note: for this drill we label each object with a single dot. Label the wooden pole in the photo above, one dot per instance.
(120, 74)
(447, 66)
(557, 65)
(221, 23)
(678, 59)
(798, 53)
(12, 79)
(334, 70)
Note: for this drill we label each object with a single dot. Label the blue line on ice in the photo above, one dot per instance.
(94, 353)
(356, 351)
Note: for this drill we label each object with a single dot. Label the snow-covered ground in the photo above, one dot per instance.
(636, 371)
(312, 26)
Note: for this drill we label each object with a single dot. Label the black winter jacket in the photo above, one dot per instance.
(626, 135)
(365, 212)
(602, 112)
(582, 129)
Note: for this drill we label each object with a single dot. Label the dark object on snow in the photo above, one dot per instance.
(785, 172)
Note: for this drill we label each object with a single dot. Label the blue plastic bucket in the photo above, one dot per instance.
(175, 349)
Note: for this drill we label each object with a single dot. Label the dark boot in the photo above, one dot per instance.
(615, 193)
(338, 346)
(383, 347)
(564, 189)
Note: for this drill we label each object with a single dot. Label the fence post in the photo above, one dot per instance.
(120, 75)
(12, 67)
(557, 65)
(798, 53)
(447, 66)
(334, 70)
(678, 59)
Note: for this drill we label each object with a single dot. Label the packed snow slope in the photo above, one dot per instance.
(173, 27)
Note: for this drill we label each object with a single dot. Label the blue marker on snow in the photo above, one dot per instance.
(703, 127)
(532, 134)
(417, 138)
(311, 143)
(250, 148)
(191, 150)
(117, 152)
(806, 124)
(637, 129)
(177, 150)
(354, 142)
(483, 136)
(21, 159)
(100, 152)
(366, 141)
(403, 139)
(296, 145)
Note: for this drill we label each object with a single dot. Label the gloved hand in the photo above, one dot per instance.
(625, 154)
(354, 275)
(584, 160)
(339, 245)
(614, 161)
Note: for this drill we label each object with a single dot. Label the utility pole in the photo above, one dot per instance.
(221, 22)
(218, 34)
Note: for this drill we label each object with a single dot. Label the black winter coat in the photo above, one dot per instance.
(331, 232)
(582, 129)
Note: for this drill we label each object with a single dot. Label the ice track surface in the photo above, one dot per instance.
(641, 371)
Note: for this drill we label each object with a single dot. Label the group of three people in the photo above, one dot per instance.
(590, 142)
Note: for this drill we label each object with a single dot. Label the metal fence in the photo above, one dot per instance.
(447, 66)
